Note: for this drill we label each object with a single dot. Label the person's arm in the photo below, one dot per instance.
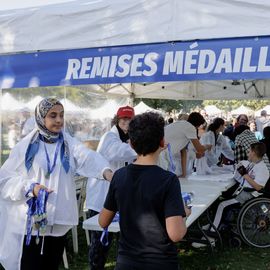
(105, 217)
(226, 149)
(174, 211)
(14, 185)
(176, 228)
(114, 149)
(88, 162)
(252, 182)
(199, 147)
(110, 206)
(183, 153)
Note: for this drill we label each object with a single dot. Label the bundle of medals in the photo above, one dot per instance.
(36, 215)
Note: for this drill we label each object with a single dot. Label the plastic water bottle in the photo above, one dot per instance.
(187, 198)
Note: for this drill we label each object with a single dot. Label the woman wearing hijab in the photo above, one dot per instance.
(38, 194)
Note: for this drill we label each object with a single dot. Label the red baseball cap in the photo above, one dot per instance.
(126, 111)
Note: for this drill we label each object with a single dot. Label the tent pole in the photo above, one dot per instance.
(132, 95)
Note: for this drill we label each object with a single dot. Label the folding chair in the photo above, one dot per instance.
(81, 183)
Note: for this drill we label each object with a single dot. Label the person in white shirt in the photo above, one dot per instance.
(178, 135)
(42, 164)
(114, 146)
(214, 137)
(252, 176)
(263, 121)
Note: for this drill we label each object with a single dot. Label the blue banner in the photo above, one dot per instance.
(220, 59)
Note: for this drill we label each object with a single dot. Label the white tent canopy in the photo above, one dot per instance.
(9, 103)
(108, 110)
(199, 90)
(68, 24)
(70, 106)
(212, 110)
(242, 110)
(142, 108)
(265, 108)
(33, 102)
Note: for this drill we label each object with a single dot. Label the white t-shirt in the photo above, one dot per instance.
(178, 134)
(259, 173)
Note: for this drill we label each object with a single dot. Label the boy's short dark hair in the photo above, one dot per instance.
(259, 148)
(196, 119)
(145, 132)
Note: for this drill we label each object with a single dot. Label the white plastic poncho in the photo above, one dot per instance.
(61, 206)
(117, 154)
(218, 148)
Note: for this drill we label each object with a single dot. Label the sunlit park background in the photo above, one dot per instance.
(88, 113)
(88, 116)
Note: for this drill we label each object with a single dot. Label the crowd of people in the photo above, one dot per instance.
(137, 162)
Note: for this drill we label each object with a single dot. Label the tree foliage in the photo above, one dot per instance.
(168, 105)
(228, 105)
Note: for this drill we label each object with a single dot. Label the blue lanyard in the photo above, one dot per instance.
(49, 167)
(249, 168)
(172, 166)
(37, 213)
(104, 239)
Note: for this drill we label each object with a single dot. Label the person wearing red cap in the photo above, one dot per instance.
(113, 146)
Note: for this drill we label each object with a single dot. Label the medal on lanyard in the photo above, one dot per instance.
(49, 167)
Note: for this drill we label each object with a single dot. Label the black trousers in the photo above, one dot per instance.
(53, 249)
(97, 252)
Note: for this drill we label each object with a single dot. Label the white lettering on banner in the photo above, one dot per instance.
(123, 65)
(85, 67)
(246, 61)
(113, 66)
(149, 61)
(110, 66)
(173, 62)
(136, 63)
(237, 59)
(100, 67)
(189, 61)
(203, 66)
(262, 60)
(205, 61)
(224, 61)
(73, 69)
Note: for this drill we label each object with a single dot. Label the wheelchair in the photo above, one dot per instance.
(252, 222)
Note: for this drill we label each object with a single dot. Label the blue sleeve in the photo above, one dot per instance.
(173, 205)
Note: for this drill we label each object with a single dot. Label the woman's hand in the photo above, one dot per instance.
(38, 187)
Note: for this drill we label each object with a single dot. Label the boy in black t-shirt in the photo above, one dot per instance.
(149, 202)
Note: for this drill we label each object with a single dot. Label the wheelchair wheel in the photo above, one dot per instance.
(253, 223)
(235, 242)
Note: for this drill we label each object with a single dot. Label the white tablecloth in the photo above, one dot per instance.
(205, 193)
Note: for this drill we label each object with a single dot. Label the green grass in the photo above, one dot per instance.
(244, 258)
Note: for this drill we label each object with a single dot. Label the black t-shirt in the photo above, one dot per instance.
(145, 195)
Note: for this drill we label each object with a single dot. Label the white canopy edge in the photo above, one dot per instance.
(33, 25)
(199, 90)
